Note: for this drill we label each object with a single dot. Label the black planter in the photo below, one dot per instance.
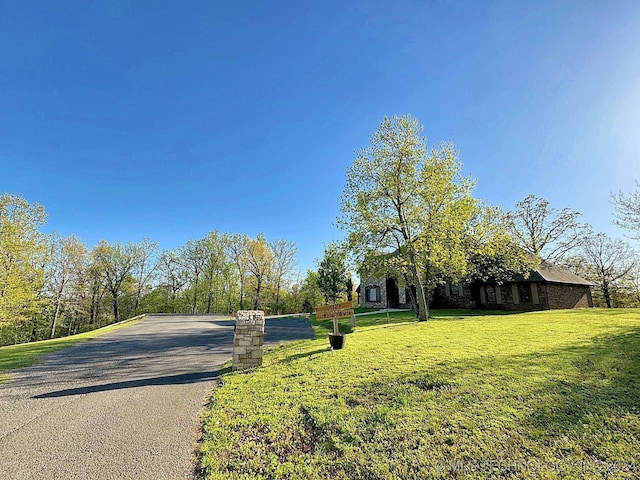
(337, 341)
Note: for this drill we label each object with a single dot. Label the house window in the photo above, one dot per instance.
(534, 294)
(491, 294)
(455, 290)
(525, 292)
(514, 294)
(372, 293)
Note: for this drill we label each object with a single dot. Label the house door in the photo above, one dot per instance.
(393, 297)
(475, 296)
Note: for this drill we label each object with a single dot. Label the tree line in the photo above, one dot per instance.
(53, 286)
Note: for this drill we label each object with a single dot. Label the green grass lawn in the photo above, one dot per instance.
(382, 318)
(26, 354)
(533, 395)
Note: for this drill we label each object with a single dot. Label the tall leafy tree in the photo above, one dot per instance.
(349, 288)
(23, 250)
(65, 278)
(543, 231)
(116, 262)
(95, 276)
(332, 273)
(401, 197)
(284, 257)
(173, 276)
(194, 256)
(237, 251)
(310, 294)
(144, 265)
(259, 264)
(216, 266)
(333, 276)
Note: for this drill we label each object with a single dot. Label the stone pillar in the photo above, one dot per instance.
(248, 339)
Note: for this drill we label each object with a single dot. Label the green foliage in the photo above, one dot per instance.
(115, 262)
(509, 396)
(332, 272)
(492, 252)
(23, 251)
(52, 287)
(284, 259)
(260, 262)
(310, 292)
(333, 276)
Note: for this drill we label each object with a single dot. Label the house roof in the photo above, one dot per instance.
(548, 272)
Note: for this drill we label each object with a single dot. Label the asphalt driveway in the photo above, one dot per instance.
(122, 406)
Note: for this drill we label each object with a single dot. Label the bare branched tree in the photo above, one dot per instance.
(284, 256)
(543, 231)
(628, 211)
(607, 261)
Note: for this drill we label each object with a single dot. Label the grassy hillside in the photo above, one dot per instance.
(535, 395)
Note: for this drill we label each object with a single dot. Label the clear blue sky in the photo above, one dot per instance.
(131, 119)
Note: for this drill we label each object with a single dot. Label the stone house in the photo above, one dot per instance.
(376, 292)
(547, 288)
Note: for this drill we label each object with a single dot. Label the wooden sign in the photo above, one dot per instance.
(339, 310)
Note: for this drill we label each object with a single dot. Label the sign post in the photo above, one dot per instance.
(335, 311)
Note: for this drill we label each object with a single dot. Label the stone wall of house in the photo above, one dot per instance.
(549, 296)
(569, 296)
(446, 297)
(373, 282)
(248, 339)
(522, 304)
(403, 298)
(543, 294)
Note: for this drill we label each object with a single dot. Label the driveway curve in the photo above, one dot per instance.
(124, 405)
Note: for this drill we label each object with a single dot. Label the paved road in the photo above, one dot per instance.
(122, 406)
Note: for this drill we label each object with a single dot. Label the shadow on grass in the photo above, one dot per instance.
(382, 318)
(465, 312)
(574, 404)
(298, 356)
(601, 382)
(182, 379)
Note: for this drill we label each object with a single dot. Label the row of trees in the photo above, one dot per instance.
(53, 286)
(410, 213)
